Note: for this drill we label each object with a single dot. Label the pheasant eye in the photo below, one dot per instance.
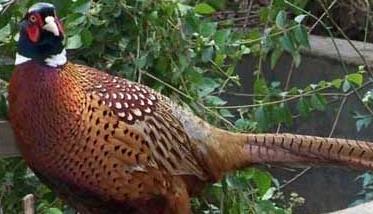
(33, 18)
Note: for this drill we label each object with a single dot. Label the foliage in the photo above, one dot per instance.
(16, 182)
(366, 194)
(174, 47)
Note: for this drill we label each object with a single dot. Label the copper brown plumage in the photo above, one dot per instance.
(108, 145)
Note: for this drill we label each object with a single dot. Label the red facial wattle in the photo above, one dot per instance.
(33, 32)
(33, 29)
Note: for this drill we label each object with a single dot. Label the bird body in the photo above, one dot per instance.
(109, 136)
(109, 145)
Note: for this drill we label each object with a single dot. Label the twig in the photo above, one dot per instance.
(295, 177)
(137, 58)
(322, 16)
(245, 42)
(355, 90)
(261, 54)
(269, 103)
(346, 37)
(248, 14)
(261, 95)
(336, 120)
(189, 97)
(290, 74)
(367, 19)
(7, 5)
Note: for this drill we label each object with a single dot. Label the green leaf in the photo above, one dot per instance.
(226, 113)
(287, 44)
(204, 9)
(346, 86)
(82, 6)
(245, 50)
(220, 59)
(281, 19)
(86, 37)
(222, 36)
(141, 62)
(262, 180)
(282, 114)
(244, 124)
(74, 42)
(207, 54)
(183, 8)
(301, 35)
(363, 122)
(268, 195)
(194, 76)
(208, 29)
(337, 83)
(183, 62)
(5, 33)
(97, 21)
(123, 43)
(267, 207)
(355, 78)
(215, 101)
(318, 102)
(72, 21)
(53, 211)
(303, 107)
(207, 86)
(299, 19)
(275, 56)
(260, 86)
(261, 118)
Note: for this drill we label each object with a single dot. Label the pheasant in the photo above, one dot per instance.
(108, 145)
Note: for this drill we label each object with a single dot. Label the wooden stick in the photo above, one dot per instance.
(28, 204)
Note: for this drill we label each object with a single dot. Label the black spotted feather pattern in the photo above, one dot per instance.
(144, 109)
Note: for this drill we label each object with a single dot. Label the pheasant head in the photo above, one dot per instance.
(41, 36)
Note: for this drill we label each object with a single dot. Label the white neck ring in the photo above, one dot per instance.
(52, 61)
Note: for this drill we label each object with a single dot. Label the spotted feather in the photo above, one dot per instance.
(146, 110)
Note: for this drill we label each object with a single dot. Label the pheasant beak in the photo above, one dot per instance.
(52, 26)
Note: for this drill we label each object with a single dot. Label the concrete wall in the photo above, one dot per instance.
(324, 188)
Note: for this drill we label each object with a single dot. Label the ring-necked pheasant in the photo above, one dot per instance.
(108, 145)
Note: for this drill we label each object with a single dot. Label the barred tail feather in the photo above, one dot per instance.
(238, 150)
(272, 148)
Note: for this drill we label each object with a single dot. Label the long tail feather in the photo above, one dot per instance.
(237, 150)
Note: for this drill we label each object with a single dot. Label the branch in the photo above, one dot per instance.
(6, 5)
